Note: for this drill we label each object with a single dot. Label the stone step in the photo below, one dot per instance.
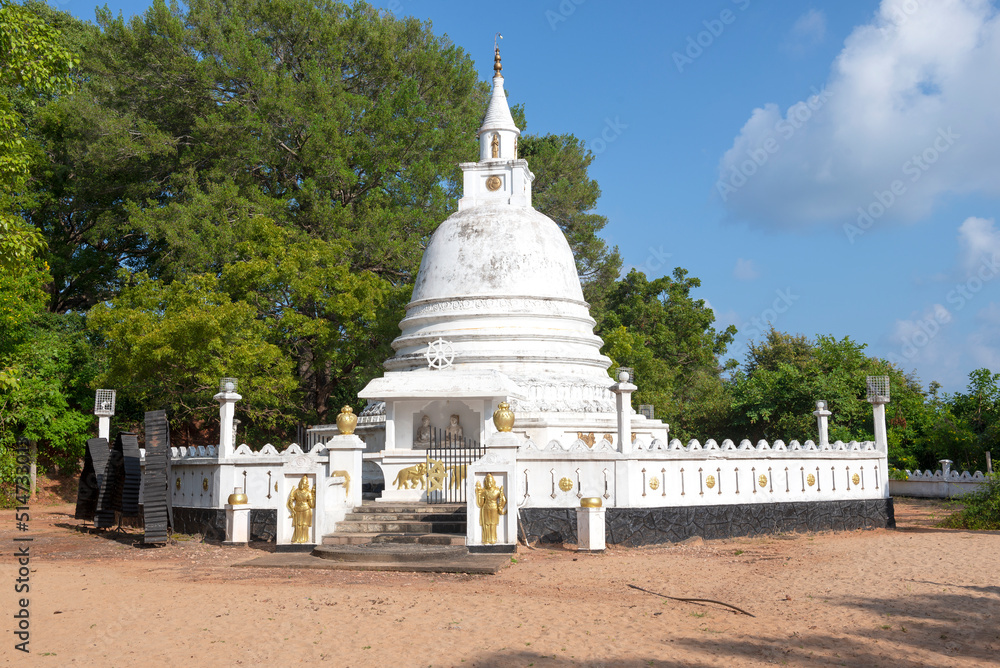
(404, 517)
(401, 527)
(432, 508)
(396, 538)
(389, 552)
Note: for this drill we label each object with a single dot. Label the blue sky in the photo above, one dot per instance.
(829, 168)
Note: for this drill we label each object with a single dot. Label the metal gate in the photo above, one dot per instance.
(447, 459)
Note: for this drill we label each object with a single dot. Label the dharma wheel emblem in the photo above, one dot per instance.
(440, 354)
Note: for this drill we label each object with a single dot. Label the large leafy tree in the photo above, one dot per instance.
(298, 153)
(35, 66)
(667, 335)
(775, 393)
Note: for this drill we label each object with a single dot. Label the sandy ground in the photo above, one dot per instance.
(916, 596)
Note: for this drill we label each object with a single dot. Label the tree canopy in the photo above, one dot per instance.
(245, 188)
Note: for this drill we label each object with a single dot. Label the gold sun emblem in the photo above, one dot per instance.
(565, 484)
(856, 479)
(654, 483)
(762, 480)
(811, 479)
(710, 481)
(493, 183)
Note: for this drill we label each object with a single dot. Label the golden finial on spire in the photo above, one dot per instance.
(497, 66)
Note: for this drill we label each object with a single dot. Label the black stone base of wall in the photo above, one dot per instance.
(651, 526)
(211, 523)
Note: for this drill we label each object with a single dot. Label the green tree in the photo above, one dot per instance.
(167, 346)
(35, 66)
(667, 336)
(301, 152)
(775, 393)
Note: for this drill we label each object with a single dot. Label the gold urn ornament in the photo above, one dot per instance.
(238, 498)
(503, 417)
(347, 421)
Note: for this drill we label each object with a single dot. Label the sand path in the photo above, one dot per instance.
(916, 596)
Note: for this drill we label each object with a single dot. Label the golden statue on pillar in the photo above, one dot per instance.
(300, 504)
(495, 145)
(492, 504)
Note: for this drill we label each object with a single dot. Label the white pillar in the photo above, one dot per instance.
(237, 525)
(590, 526)
(623, 404)
(104, 427)
(227, 431)
(822, 415)
(881, 437)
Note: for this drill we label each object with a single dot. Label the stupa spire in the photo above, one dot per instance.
(498, 176)
(498, 134)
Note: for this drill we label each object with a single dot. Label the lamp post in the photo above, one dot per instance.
(104, 408)
(227, 398)
(878, 397)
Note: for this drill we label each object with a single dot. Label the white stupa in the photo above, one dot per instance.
(498, 314)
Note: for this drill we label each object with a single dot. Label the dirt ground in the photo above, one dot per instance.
(915, 596)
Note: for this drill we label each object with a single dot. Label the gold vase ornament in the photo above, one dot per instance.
(238, 498)
(503, 417)
(347, 421)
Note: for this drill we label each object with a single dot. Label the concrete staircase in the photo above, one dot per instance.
(401, 523)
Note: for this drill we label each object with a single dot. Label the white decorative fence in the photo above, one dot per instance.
(941, 484)
(662, 474)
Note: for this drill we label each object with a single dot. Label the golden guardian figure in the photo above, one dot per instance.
(492, 504)
(301, 502)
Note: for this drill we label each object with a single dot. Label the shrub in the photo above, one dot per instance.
(982, 508)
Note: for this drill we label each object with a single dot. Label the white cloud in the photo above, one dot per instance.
(984, 342)
(978, 241)
(808, 30)
(745, 270)
(923, 338)
(908, 104)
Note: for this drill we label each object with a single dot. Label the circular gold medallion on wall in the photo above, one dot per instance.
(493, 183)
(762, 480)
(654, 483)
(811, 479)
(856, 479)
(565, 484)
(710, 481)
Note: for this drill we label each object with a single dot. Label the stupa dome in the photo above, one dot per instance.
(498, 251)
(498, 283)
